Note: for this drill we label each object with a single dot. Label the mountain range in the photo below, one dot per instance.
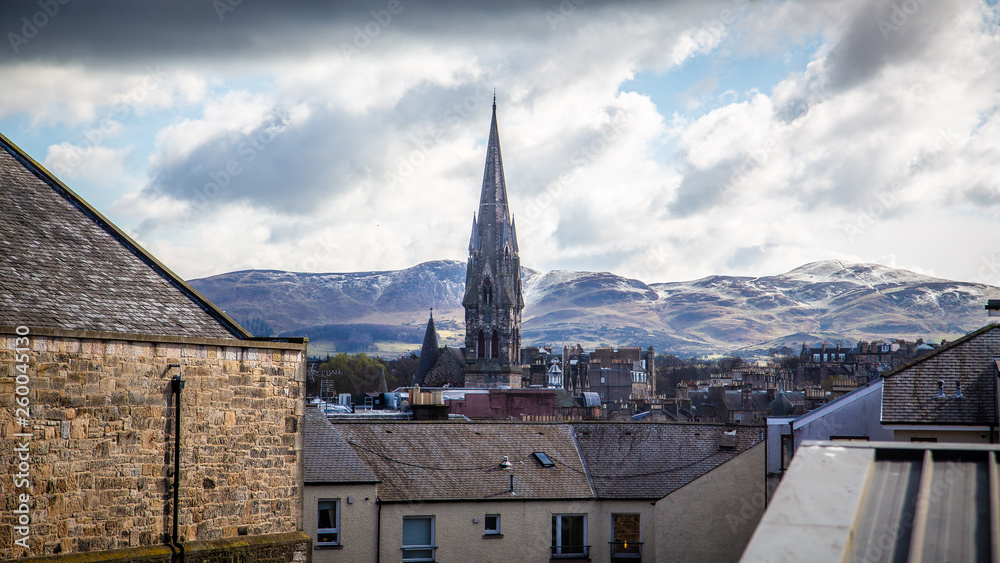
(386, 311)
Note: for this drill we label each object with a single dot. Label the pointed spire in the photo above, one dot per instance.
(474, 239)
(493, 199)
(382, 387)
(428, 352)
(513, 235)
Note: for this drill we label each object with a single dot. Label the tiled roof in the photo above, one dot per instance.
(64, 266)
(651, 460)
(910, 393)
(461, 461)
(327, 457)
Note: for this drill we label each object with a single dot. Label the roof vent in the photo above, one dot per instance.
(728, 441)
(958, 390)
(505, 463)
(940, 393)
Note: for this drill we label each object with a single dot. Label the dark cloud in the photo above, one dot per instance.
(124, 30)
(703, 189)
(887, 33)
(283, 166)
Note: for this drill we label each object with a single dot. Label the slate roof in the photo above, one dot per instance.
(63, 265)
(650, 460)
(910, 393)
(432, 461)
(327, 457)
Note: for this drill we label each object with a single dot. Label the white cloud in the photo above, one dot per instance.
(94, 162)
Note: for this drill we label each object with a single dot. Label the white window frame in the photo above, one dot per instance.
(557, 548)
(422, 547)
(486, 526)
(336, 524)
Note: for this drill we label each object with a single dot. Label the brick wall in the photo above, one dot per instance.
(101, 440)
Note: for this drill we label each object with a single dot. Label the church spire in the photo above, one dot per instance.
(428, 352)
(493, 300)
(493, 199)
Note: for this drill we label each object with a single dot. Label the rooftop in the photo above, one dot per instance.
(911, 391)
(652, 460)
(883, 501)
(63, 265)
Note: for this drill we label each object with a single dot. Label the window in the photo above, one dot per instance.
(625, 537)
(328, 524)
(492, 524)
(544, 459)
(569, 535)
(495, 348)
(418, 538)
(787, 448)
(481, 345)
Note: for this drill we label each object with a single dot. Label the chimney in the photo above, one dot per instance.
(940, 392)
(992, 307)
(958, 390)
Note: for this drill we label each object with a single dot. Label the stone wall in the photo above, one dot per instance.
(100, 440)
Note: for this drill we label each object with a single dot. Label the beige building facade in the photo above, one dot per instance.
(445, 491)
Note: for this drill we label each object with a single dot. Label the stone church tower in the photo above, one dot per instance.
(493, 300)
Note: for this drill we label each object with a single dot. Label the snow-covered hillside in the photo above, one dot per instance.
(828, 299)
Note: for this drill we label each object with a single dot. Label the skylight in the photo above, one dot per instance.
(544, 459)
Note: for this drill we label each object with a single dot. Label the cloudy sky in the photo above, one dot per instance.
(660, 140)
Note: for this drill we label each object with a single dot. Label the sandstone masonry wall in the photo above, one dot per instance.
(101, 445)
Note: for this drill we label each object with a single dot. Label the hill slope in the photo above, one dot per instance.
(826, 300)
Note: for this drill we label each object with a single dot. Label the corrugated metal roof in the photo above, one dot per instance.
(884, 502)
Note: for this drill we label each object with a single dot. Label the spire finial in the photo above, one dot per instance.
(494, 99)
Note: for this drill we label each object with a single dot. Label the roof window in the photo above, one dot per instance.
(544, 459)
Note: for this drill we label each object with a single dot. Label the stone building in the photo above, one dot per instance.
(113, 371)
(439, 366)
(493, 300)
